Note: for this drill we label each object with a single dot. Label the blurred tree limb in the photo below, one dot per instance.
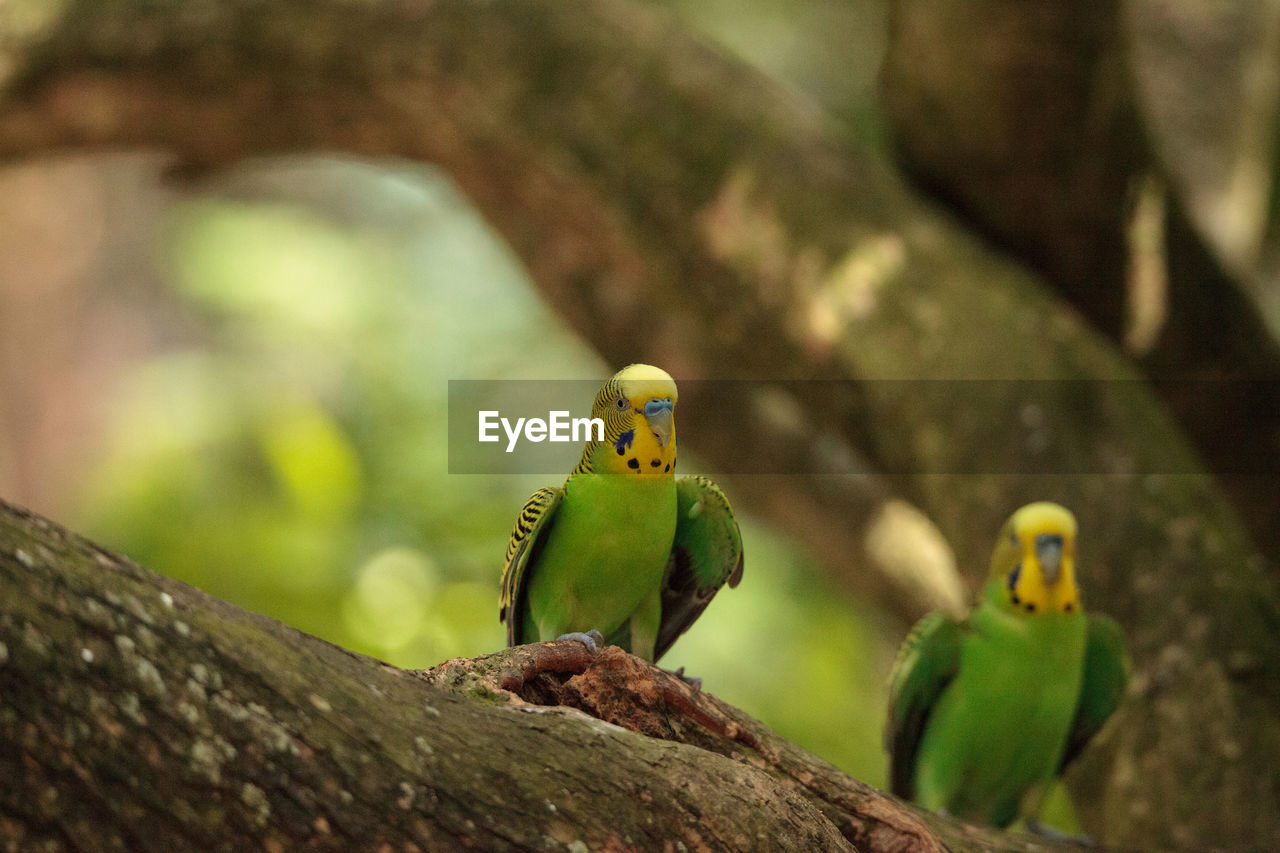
(678, 208)
(139, 713)
(1128, 149)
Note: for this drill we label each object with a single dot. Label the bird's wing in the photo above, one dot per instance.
(926, 663)
(1106, 673)
(705, 555)
(527, 538)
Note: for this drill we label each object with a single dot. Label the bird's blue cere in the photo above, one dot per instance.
(656, 405)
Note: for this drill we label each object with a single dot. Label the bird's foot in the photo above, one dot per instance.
(592, 639)
(692, 681)
(1043, 830)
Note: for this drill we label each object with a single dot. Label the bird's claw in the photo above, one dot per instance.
(692, 681)
(592, 639)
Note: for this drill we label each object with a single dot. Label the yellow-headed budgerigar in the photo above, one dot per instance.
(623, 548)
(985, 710)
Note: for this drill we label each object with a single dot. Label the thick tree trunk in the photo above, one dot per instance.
(679, 209)
(137, 713)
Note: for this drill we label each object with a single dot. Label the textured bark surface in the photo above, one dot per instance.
(137, 713)
(677, 208)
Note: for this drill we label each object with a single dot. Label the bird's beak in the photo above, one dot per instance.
(1049, 553)
(660, 413)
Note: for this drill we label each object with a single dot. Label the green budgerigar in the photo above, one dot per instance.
(987, 711)
(623, 548)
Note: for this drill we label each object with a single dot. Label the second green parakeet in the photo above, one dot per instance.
(985, 710)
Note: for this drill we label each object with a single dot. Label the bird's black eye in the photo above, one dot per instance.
(621, 403)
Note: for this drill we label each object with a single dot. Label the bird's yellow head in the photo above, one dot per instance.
(638, 409)
(1034, 563)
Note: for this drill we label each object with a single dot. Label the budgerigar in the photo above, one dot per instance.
(986, 710)
(624, 548)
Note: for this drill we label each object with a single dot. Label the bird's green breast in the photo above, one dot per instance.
(606, 552)
(1001, 725)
